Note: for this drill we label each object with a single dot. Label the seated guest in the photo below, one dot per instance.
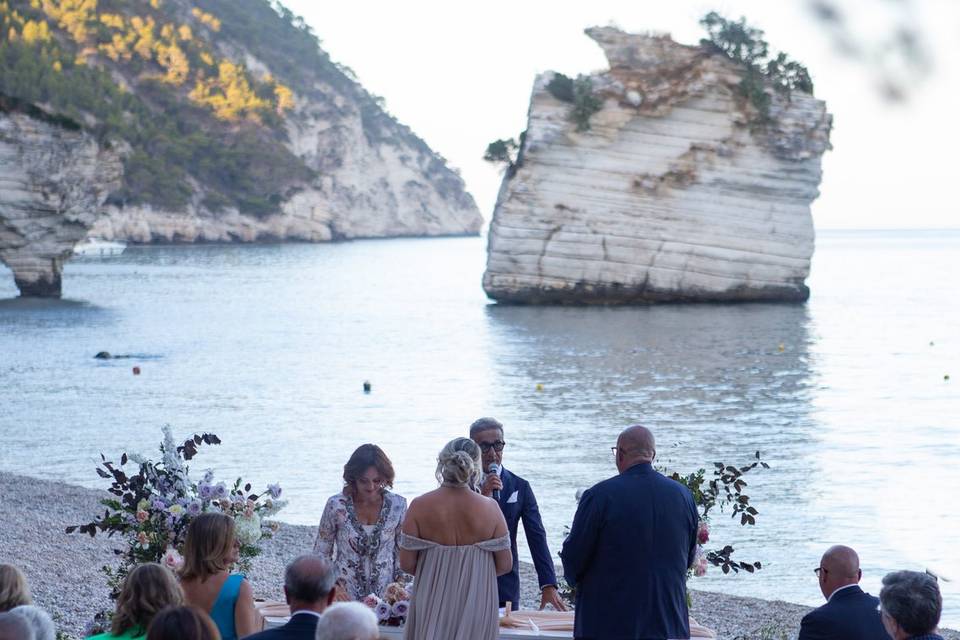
(209, 551)
(14, 627)
(360, 526)
(147, 589)
(849, 614)
(910, 605)
(308, 586)
(182, 623)
(348, 621)
(13, 588)
(38, 619)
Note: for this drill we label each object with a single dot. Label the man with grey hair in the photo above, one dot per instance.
(308, 587)
(850, 613)
(14, 627)
(632, 540)
(348, 621)
(910, 605)
(518, 504)
(38, 619)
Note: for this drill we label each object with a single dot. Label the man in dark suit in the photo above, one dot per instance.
(517, 503)
(850, 614)
(633, 537)
(308, 586)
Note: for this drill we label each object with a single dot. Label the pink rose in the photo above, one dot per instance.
(703, 533)
(700, 569)
(371, 601)
(142, 516)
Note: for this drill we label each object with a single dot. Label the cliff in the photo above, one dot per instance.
(678, 191)
(54, 179)
(230, 122)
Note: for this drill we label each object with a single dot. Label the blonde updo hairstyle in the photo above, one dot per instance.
(13, 588)
(459, 463)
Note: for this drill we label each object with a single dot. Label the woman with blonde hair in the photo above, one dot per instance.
(455, 541)
(148, 589)
(182, 623)
(360, 527)
(210, 550)
(13, 588)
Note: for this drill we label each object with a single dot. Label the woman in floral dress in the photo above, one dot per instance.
(360, 528)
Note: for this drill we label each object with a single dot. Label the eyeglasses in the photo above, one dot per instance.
(818, 570)
(496, 445)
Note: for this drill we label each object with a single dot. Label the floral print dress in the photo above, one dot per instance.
(365, 558)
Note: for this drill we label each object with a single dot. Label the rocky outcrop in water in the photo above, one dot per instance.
(53, 179)
(677, 192)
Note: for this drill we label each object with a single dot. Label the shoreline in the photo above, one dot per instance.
(64, 570)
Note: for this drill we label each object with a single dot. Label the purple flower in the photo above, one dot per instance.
(208, 476)
(205, 490)
(400, 609)
(383, 611)
(194, 508)
(220, 491)
(274, 490)
(159, 504)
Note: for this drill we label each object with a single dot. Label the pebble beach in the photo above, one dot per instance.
(64, 570)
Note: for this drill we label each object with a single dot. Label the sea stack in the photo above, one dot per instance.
(54, 178)
(679, 191)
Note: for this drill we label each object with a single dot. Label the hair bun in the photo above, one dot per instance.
(459, 462)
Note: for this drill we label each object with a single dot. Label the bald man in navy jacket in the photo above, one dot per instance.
(633, 537)
(850, 613)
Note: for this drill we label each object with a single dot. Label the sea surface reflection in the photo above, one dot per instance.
(268, 346)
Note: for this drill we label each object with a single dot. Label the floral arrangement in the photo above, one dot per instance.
(392, 608)
(724, 489)
(152, 507)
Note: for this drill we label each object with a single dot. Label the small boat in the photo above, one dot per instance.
(97, 248)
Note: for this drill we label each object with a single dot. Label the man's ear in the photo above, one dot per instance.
(332, 595)
(286, 594)
(859, 575)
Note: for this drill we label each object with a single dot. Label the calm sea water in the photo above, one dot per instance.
(268, 346)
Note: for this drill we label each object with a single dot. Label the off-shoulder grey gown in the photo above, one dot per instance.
(455, 591)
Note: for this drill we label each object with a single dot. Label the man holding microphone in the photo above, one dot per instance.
(517, 502)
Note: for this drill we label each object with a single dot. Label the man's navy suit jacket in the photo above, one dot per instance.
(633, 538)
(523, 507)
(850, 614)
(302, 626)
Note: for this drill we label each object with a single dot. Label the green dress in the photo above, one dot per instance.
(136, 633)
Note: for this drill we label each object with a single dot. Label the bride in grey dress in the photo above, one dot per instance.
(455, 541)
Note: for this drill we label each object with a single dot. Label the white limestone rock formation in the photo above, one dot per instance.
(375, 179)
(53, 180)
(675, 193)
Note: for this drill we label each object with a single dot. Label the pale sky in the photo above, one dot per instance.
(460, 74)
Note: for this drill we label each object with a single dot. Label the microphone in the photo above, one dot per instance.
(495, 469)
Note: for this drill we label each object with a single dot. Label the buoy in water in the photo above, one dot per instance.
(367, 387)
(136, 371)
(946, 377)
(539, 387)
(780, 348)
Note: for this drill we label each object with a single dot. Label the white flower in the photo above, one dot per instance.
(248, 529)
